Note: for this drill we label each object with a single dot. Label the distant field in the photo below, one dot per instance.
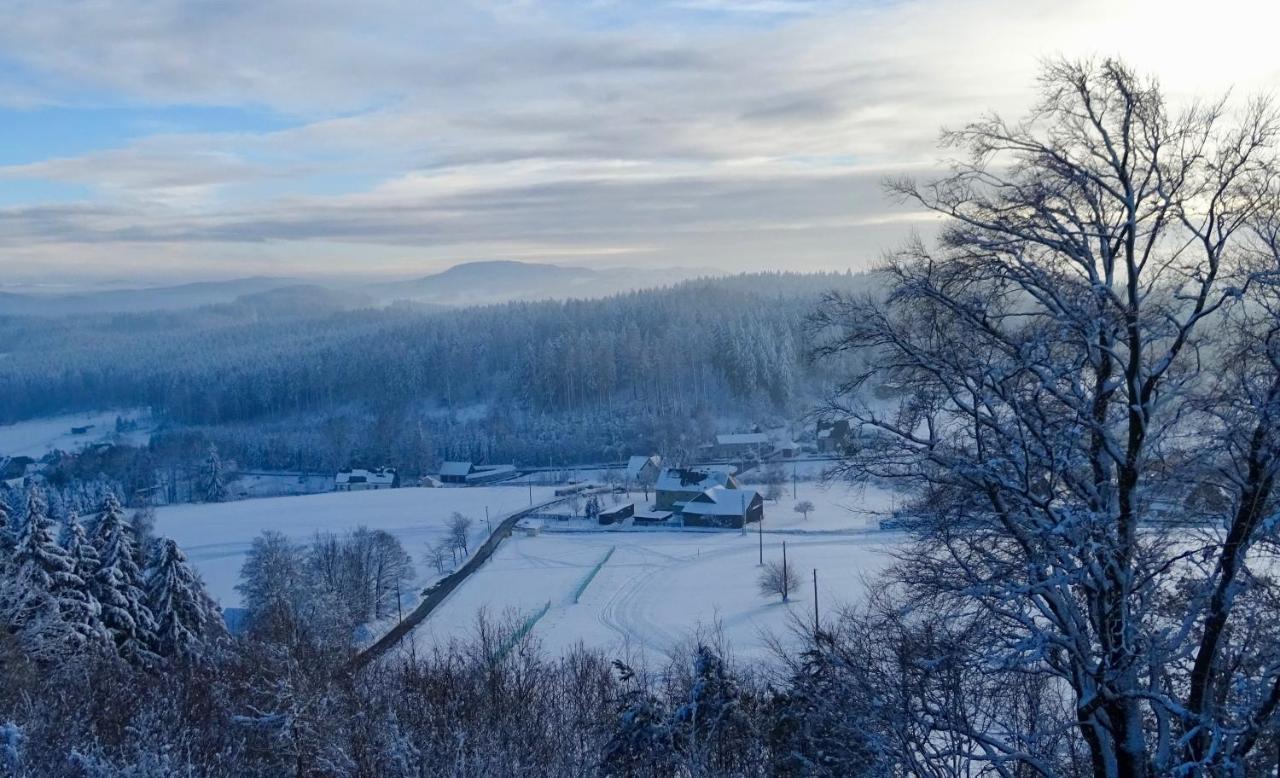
(37, 437)
(659, 587)
(217, 536)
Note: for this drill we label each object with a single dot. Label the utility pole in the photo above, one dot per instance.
(487, 523)
(531, 490)
(815, 603)
(794, 486)
(786, 574)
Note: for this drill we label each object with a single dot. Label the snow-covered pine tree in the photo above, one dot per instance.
(84, 560)
(642, 740)
(118, 584)
(50, 609)
(213, 484)
(8, 537)
(187, 619)
(711, 729)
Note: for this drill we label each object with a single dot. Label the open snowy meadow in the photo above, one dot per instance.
(216, 536)
(657, 588)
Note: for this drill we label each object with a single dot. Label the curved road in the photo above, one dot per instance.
(442, 588)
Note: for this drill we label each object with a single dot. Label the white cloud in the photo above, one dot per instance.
(482, 129)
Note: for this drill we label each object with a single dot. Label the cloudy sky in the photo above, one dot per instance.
(168, 139)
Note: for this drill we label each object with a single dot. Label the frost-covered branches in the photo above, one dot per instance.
(1063, 382)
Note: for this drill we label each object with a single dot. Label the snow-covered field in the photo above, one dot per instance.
(37, 437)
(660, 587)
(217, 536)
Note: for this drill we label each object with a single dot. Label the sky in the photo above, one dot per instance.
(161, 141)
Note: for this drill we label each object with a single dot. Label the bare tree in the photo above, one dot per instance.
(390, 570)
(777, 579)
(805, 507)
(437, 553)
(459, 532)
(1065, 378)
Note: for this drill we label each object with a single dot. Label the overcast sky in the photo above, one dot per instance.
(163, 140)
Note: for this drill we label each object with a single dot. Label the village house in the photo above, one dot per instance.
(833, 436)
(676, 485)
(739, 445)
(642, 470)
(721, 507)
(358, 479)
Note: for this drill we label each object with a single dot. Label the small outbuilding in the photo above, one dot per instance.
(456, 472)
(617, 514)
(650, 517)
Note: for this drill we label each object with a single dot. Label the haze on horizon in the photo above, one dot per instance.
(173, 141)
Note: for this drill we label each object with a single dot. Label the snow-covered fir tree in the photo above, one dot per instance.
(186, 617)
(7, 535)
(642, 740)
(84, 558)
(49, 606)
(213, 484)
(118, 584)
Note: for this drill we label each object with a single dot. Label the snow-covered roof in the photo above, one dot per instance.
(455, 468)
(719, 501)
(383, 476)
(743, 439)
(615, 509)
(676, 479)
(647, 514)
(637, 463)
(489, 472)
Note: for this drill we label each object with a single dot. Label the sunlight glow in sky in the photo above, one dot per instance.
(174, 139)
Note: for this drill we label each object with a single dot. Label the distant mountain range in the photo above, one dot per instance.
(479, 283)
(472, 283)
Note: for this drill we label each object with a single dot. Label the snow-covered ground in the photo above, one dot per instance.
(660, 587)
(217, 536)
(37, 437)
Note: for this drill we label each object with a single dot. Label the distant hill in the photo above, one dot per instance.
(297, 300)
(159, 298)
(471, 283)
(479, 283)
